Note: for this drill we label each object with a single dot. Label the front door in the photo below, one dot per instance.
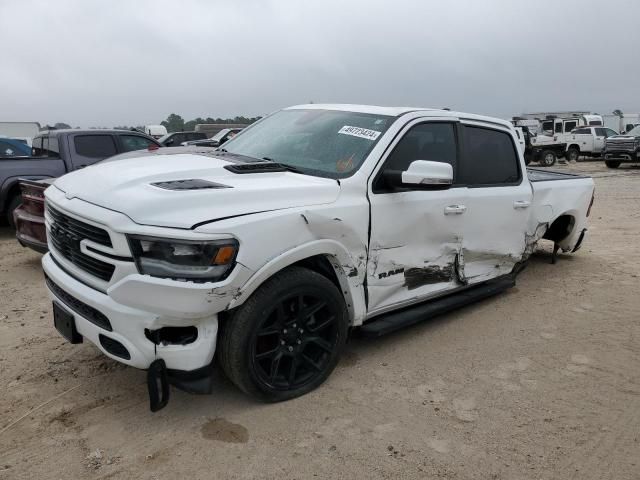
(415, 234)
(499, 198)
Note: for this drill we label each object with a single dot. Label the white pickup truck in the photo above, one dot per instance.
(311, 222)
(587, 142)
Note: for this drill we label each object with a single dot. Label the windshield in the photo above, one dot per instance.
(634, 131)
(325, 143)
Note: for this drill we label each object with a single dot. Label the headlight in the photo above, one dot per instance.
(195, 260)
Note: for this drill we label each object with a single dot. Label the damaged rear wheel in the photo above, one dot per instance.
(286, 339)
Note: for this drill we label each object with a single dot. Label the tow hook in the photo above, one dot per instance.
(158, 384)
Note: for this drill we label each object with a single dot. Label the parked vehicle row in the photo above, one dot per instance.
(56, 152)
(391, 215)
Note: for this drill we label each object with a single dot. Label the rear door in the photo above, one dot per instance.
(498, 202)
(598, 140)
(415, 234)
(91, 148)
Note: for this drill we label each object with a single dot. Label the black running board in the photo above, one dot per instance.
(396, 320)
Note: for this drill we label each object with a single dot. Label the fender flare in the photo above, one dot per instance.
(350, 274)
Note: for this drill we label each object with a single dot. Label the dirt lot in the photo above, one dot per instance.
(542, 382)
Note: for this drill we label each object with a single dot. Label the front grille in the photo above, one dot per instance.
(81, 308)
(66, 233)
(621, 146)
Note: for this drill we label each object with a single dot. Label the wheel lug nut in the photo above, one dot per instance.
(290, 349)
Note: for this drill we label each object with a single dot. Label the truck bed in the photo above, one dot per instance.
(544, 175)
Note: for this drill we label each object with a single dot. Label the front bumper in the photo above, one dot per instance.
(622, 156)
(137, 303)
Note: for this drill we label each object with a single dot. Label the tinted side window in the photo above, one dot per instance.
(489, 158)
(581, 131)
(38, 146)
(601, 132)
(568, 126)
(53, 148)
(133, 142)
(558, 127)
(427, 141)
(95, 146)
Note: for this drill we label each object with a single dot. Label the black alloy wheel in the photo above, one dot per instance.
(286, 339)
(295, 341)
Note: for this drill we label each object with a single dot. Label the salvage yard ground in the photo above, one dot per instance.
(542, 382)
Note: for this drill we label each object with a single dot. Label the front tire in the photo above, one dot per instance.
(573, 154)
(547, 158)
(287, 338)
(14, 203)
(612, 163)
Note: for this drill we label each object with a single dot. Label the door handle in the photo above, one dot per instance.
(521, 204)
(455, 209)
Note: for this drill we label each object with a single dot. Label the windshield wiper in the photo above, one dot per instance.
(290, 168)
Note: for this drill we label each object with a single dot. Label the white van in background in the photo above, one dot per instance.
(621, 123)
(20, 130)
(155, 131)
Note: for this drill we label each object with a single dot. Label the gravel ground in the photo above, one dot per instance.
(541, 382)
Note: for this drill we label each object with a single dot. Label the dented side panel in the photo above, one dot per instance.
(414, 246)
(495, 230)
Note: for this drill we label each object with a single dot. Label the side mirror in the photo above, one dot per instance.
(422, 174)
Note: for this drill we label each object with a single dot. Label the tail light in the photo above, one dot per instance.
(153, 146)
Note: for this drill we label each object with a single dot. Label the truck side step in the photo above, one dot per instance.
(393, 321)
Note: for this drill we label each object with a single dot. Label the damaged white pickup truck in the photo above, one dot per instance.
(315, 220)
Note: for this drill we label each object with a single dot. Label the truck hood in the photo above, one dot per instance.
(621, 138)
(126, 186)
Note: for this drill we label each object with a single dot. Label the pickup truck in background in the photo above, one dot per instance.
(587, 142)
(175, 139)
(316, 220)
(623, 148)
(218, 139)
(55, 153)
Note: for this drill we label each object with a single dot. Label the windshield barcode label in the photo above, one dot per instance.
(359, 132)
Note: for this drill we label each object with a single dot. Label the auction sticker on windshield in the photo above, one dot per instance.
(359, 132)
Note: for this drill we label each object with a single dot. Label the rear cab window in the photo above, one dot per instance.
(45, 146)
(489, 158)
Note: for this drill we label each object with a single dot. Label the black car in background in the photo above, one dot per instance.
(176, 138)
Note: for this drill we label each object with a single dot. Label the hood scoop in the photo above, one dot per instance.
(261, 167)
(191, 184)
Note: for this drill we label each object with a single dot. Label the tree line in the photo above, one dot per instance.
(175, 123)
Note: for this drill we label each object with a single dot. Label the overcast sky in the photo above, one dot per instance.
(105, 63)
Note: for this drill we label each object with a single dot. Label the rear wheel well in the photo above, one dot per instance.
(573, 145)
(560, 228)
